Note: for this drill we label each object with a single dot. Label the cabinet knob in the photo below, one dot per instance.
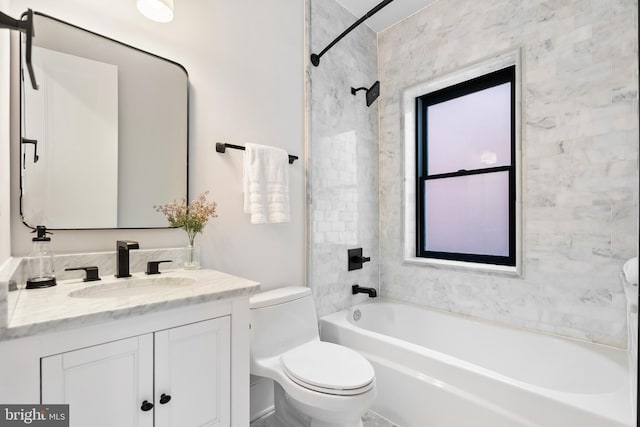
(164, 398)
(146, 406)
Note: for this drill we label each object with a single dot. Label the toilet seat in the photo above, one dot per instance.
(328, 368)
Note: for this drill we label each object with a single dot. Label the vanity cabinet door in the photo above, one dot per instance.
(104, 385)
(192, 368)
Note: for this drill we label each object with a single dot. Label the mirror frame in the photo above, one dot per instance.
(20, 136)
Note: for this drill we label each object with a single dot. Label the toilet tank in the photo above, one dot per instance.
(281, 319)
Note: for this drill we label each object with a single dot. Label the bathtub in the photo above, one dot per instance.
(435, 369)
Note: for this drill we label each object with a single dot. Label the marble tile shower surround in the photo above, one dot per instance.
(343, 158)
(579, 158)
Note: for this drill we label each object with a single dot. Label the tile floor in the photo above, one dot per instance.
(370, 419)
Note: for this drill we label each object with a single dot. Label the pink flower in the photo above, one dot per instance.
(193, 217)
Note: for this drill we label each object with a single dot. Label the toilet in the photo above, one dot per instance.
(316, 383)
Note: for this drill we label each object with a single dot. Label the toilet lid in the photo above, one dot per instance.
(328, 368)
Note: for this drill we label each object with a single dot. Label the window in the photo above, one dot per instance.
(465, 171)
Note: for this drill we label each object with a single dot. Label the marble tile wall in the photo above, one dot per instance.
(343, 158)
(579, 158)
(3, 304)
(7, 270)
(631, 292)
(13, 273)
(632, 340)
(106, 263)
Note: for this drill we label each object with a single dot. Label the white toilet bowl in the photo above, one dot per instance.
(318, 384)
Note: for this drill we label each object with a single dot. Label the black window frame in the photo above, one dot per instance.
(486, 81)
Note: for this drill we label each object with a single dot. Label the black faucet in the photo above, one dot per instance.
(91, 273)
(356, 259)
(122, 260)
(357, 289)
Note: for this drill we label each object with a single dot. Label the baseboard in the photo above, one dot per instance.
(261, 397)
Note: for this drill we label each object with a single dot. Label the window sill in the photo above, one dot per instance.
(471, 267)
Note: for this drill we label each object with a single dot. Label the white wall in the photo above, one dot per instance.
(246, 75)
(5, 229)
(5, 219)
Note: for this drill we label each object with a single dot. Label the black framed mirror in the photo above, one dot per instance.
(105, 137)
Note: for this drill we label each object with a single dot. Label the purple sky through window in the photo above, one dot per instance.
(468, 214)
(470, 132)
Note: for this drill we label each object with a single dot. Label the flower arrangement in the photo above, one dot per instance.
(192, 218)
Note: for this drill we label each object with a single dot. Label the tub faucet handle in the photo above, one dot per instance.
(356, 259)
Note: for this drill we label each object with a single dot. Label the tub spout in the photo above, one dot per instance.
(357, 289)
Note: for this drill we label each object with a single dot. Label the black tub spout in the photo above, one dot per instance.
(357, 289)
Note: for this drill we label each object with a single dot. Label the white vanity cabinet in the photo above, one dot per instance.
(178, 376)
(184, 335)
(104, 385)
(192, 365)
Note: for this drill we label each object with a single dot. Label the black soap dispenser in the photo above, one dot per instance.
(40, 269)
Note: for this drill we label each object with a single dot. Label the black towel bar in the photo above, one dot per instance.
(221, 148)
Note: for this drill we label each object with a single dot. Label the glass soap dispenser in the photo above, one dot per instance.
(40, 262)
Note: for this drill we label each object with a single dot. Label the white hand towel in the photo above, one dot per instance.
(266, 184)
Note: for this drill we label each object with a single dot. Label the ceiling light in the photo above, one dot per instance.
(156, 10)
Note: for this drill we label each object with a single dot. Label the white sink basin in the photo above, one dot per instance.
(123, 288)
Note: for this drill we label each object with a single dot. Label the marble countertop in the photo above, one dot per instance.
(34, 311)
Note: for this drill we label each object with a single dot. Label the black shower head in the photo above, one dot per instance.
(372, 93)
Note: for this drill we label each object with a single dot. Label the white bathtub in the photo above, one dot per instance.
(435, 369)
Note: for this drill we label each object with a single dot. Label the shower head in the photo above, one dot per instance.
(372, 93)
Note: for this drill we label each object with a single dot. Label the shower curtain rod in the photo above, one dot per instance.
(24, 26)
(315, 59)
